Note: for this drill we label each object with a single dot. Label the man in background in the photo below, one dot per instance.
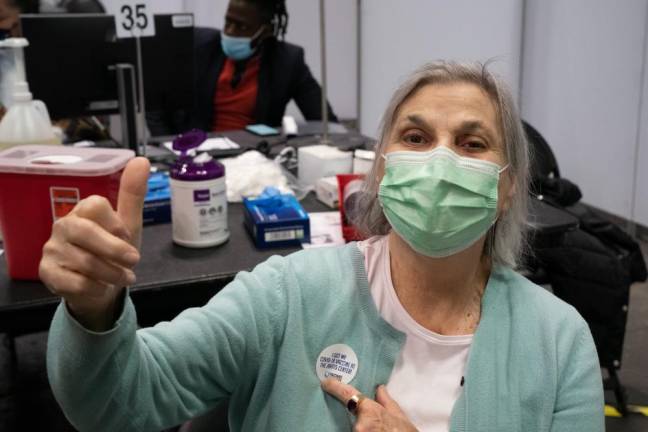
(246, 73)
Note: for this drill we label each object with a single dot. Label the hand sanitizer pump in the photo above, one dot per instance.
(27, 121)
(12, 67)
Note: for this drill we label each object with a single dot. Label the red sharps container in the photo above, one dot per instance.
(40, 184)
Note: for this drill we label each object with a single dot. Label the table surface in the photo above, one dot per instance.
(165, 263)
(171, 277)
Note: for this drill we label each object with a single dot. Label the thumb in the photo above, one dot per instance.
(132, 191)
(384, 399)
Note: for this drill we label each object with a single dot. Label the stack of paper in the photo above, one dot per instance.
(325, 230)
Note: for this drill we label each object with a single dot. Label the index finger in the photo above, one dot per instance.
(94, 239)
(339, 390)
(99, 210)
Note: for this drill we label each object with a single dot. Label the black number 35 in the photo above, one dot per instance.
(140, 20)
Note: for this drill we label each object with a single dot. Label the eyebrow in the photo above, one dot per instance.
(473, 126)
(236, 20)
(418, 121)
(467, 127)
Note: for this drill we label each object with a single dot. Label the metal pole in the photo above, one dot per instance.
(127, 105)
(632, 223)
(523, 40)
(325, 131)
(141, 123)
(359, 65)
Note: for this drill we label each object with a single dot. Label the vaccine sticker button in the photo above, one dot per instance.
(337, 361)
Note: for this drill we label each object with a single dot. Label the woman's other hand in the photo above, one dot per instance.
(383, 414)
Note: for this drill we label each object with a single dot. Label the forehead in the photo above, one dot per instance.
(242, 10)
(451, 103)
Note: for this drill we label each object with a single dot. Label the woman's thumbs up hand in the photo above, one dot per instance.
(90, 257)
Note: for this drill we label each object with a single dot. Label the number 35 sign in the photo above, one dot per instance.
(133, 18)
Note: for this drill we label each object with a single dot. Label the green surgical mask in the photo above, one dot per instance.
(440, 203)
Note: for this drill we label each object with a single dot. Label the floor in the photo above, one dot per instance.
(28, 404)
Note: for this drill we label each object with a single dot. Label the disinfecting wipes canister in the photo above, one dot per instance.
(199, 212)
(198, 195)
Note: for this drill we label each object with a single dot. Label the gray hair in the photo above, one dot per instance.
(506, 240)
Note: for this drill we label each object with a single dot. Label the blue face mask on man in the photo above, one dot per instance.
(239, 48)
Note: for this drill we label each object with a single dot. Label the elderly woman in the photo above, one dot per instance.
(424, 326)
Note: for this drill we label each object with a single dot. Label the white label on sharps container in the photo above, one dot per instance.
(337, 361)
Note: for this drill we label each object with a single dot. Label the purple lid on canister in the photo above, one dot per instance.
(194, 168)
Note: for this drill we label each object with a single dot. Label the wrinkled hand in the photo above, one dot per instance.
(90, 257)
(383, 414)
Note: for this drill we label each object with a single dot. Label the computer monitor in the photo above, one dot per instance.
(70, 63)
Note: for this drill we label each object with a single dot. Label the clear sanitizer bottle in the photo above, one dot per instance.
(27, 120)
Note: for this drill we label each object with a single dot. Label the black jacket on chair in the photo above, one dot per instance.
(591, 267)
(283, 76)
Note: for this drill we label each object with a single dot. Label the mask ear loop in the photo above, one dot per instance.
(490, 240)
(382, 155)
(255, 40)
(492, 232)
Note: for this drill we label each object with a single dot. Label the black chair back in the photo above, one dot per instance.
(543, 163)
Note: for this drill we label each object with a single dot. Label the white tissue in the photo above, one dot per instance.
(248, 174)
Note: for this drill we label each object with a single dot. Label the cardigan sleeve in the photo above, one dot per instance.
(150, 379)
(579, 405)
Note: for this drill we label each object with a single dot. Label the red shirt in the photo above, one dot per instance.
(234, 106)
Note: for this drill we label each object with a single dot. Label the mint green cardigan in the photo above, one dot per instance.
(532, 367)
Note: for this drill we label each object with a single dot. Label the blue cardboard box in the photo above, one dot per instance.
(157, 204)
(276, 220)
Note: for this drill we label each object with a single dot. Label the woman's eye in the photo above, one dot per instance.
(473, 145)
(414, 138)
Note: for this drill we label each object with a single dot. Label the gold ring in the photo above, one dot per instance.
(354, 403)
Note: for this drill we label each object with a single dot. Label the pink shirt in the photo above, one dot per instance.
(426, 379)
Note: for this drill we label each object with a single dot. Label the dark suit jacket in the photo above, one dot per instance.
(283, 76)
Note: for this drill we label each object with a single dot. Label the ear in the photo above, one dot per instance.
(266, 31)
